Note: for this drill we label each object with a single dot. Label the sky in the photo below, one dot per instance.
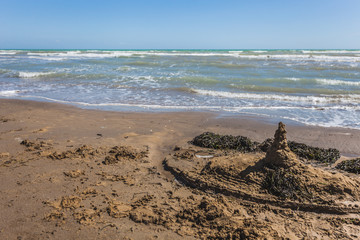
(179, 24)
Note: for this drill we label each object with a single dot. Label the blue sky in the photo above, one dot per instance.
(188, 24)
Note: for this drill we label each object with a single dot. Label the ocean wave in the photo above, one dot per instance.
(228, 65)
(143, 63)
(197, 79)
(332, 51)
(33, 74)
(2, 71)
(262, 80)
(349, 98)
(110, 104)
(303, 57)
(258, 88)
(48, 58)
(8, 52)
(124, 68)
(291, 80)
(9, 93)
(64, 75)
(259, 51)
(104, 54)
(336, 82)
(330, 67)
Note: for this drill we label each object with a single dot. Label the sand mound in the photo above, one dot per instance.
(279, 178)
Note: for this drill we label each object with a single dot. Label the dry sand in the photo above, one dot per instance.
(69, 173)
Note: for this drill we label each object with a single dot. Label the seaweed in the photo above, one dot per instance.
(217, 141)
(322, 155)
(265, 145)
(352, 165)
(285, 184)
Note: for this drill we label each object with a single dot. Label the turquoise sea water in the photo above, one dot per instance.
(315, 87)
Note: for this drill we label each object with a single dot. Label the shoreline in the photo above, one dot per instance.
(154, 110)
(255, 127)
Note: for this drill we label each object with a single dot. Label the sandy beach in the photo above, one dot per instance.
(62, 178)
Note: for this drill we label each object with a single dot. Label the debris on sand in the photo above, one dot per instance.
(86, 216)
(36, 145)
(74, 173)
(71, 202)
(352, 165)
(81, 152)
(118, 209)
(55, 215)
(119, 153)
(4, 119)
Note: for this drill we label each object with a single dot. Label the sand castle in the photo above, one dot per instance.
(279, 154)
(278, 177)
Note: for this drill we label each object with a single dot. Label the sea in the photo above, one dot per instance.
(307, 86)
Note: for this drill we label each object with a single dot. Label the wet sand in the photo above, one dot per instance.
(52, 186)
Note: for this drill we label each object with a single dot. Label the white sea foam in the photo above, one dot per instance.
(8, 52)
(351, 98)
(293, 79)
(326, 81)
(332, 51)
(9, 93)
(149, 106)
(33, 74)
(258, 51)
(302, 57)
(336, 82)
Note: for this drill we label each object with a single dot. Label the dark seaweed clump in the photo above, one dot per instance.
(284, 184)
(352, 165)
(216, 141)
(323, 155)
